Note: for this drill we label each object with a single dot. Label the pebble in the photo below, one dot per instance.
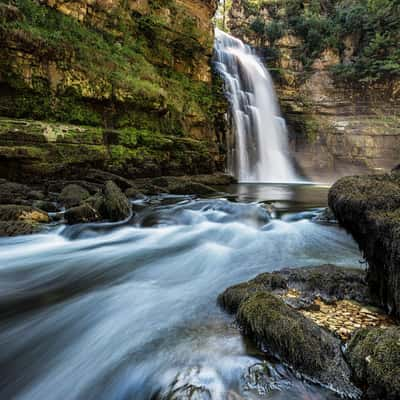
(343, 317)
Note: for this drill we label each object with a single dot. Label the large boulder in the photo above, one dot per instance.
(296, 340)
(374, 355)
(278, 325)
(116, 205)
(369, 208)
(72, 195)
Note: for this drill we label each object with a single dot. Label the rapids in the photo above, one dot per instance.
(128, 311)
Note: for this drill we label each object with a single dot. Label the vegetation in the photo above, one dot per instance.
(372, 25)
(374, 355)
(122, 71)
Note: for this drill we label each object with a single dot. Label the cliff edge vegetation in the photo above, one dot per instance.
(119, 85)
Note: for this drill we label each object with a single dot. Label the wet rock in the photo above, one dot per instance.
(196, 383)
(57, 186)
(81, 214)
(232, 297)
(369, 208)
(134, 194)
(328, 282)
(296, 340)
(20, 220)
(116, 205)
(374, 355)
(13, 193)
(16, 228)
(176, 181)
(262, 378)
(270, 309)
(99, 177)
(326, 216)
(72, 195)
(217, 179)
(183, 185)
(149, 189)
(44, 205)
(36, 195)
(12, 212)
(191, 188)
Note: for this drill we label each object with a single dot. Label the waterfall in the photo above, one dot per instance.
(258, 151)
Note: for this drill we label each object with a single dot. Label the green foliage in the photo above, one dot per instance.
(372, 25)
(126, 67)
(272, 31)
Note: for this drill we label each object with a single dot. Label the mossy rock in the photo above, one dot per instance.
(374, 355)
(116, 205)
(232, 297)
(283, 332)
(72, 195)
(12, 212)
(368, 207)
(81, 214)
(292, 337)
(16, 228)
(327, 281)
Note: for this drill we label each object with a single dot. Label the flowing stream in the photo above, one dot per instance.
(128, 311)
(258, 151)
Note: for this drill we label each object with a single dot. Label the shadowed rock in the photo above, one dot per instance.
(116, 205)
(374, 355)
(368, 207)
(72, 195)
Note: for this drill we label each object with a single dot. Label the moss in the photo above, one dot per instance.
(374, 355)
(368, 208)
(285, 332)
(131, 83)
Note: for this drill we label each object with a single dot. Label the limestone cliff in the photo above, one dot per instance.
(340, 122)
(122, 85)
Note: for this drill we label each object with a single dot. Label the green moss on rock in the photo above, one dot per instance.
(374, 355)
(368, 208)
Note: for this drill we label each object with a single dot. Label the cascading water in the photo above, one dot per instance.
(259, 149)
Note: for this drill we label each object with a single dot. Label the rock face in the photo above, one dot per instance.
(368, 207)
(128, 83)
(374, 355)
(338, 125)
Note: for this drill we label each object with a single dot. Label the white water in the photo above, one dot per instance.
(128, 311)
(259, 150)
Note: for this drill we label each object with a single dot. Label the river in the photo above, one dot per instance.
(128, 311)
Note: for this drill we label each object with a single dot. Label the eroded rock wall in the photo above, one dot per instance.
(137, 72)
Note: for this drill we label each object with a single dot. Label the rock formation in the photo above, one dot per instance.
(125, 86)
(368, 207)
